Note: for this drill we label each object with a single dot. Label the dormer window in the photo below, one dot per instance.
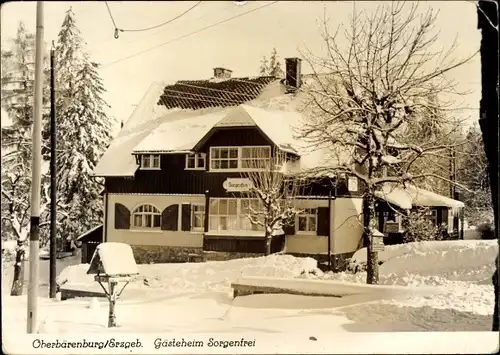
(196, 161)
(150, 162)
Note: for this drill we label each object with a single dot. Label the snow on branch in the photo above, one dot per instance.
(272, 190)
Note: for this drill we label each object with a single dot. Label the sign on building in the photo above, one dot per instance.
(237, 184)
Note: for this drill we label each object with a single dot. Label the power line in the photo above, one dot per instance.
(161, 24)
(187, 35)
(112, 18)
(98, 49)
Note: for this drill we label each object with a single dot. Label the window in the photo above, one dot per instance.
(223, 158)
(231, 214)
(223, 214)
(306, 221)
(150, 161)
(239, 158)
(247, 206)
(195, 161)
(146, 216)
(431, 215)
(197, 217)
(255, 157)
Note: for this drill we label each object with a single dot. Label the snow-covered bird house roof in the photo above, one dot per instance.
(113, 259)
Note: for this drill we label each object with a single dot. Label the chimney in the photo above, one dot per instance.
(293, 72)
(222, 73)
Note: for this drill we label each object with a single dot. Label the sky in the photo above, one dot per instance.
(238, 44)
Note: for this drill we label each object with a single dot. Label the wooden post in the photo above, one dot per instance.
(112, 303)
(330, 229)
(207, 211)
(53, 181)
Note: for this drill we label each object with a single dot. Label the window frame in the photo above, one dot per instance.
(239, 217)
(306, 212)
(195, 213)
(154, 212)
(151, 159)
(196, 157)
(431, 215)
(239, 157)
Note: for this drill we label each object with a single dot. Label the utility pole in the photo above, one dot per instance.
(36, 176)
(53, 179)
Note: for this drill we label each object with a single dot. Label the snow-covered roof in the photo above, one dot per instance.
(154, 129)
(147, 109)
(84, 236)
(180, 134)
(409, 196)
(113, 259)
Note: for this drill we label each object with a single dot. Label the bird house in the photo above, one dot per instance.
(113, 263)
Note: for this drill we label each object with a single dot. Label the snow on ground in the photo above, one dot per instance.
(196, 297)
(463, 269)
(212, 276)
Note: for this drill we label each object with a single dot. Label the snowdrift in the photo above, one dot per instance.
(453, 260)
(199, 277)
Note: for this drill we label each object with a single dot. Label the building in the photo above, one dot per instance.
(174, 176)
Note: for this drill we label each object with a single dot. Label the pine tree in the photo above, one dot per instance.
(275, 65)
(17, 102)
(83, 131)
(473, 174)
(271, 67)
(263, 67)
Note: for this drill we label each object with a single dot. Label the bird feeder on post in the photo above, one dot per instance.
(113, 263)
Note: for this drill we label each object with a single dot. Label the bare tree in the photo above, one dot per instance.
(270, 202)
(385, 79)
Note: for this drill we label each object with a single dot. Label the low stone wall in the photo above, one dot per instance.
(148, 254)
(339, 262)
(153, 254)
(222, 256)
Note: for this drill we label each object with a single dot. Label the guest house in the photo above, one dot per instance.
(174, 175)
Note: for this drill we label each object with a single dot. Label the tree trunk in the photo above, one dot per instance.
(372, 273)
(112, 303)
(17, 282)
(268, 243)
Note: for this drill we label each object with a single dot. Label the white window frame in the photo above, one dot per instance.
(151, 159)
(239, 217)
(194, 214)
(239, 159)
(154, 211)
(307, 213)
(196, 157)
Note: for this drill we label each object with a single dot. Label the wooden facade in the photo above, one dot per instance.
(174, 179)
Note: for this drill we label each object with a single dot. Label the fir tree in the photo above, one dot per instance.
(271, 67)
(83, 131)
(472, 173)
(17, 103)
(274, 68)
(263, 67)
